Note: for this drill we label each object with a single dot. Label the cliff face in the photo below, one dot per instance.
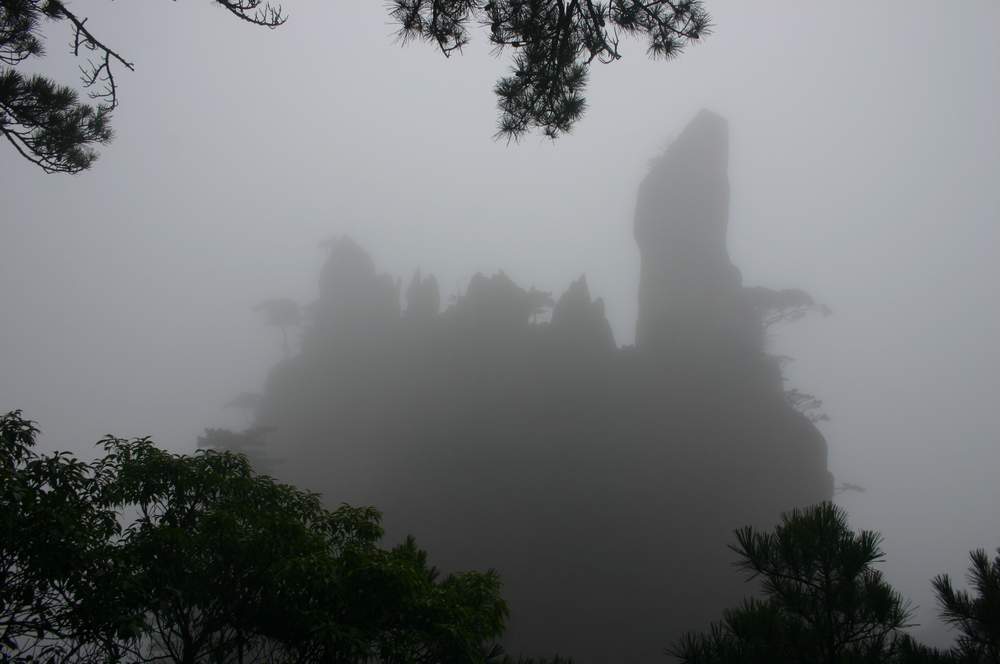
(603, 483)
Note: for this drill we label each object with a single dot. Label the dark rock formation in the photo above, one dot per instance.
(579, 325)
(355, 304)
(423, 298)
(689, 291)
(603, 483)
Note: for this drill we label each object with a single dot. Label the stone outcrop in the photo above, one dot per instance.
(689, 291)
(423, 298)
(602, 482)
(353, 301)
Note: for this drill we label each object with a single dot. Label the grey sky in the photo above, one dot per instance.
(865, 162)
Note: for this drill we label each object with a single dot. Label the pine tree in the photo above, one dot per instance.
(554, 43)
(977, 617)
(46, 122)
(824, 602)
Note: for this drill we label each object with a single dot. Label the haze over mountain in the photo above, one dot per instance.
(509, 431)
(863, 162)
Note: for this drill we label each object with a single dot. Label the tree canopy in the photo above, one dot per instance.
(823, 599)
(976, 615)
(144, 555)
(45, 121)
(824, 602)
(554, 42)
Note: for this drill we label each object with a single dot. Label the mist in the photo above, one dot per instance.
(863, 153)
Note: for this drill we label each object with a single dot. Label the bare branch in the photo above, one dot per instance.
(257, 12)
(101, 71)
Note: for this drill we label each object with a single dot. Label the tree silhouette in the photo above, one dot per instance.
(844, 487)
(53, 536)
(824, 602)
(782, 306)
(282, 313)
(807, 404)
(554, 44)
(46, 122)
(227, 565)
(978, 618)
(148, 556)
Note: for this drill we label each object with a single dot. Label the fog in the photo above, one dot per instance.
(863, 162)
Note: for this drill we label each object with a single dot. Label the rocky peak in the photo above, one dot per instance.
(689, 291)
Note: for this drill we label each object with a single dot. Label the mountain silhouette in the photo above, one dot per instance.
(603, 482)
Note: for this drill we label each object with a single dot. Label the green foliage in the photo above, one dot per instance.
(823, 599)
(823, 602)
(554, 43)
(54, 537)
(144, 555)
(976, 617)
(46, 122)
